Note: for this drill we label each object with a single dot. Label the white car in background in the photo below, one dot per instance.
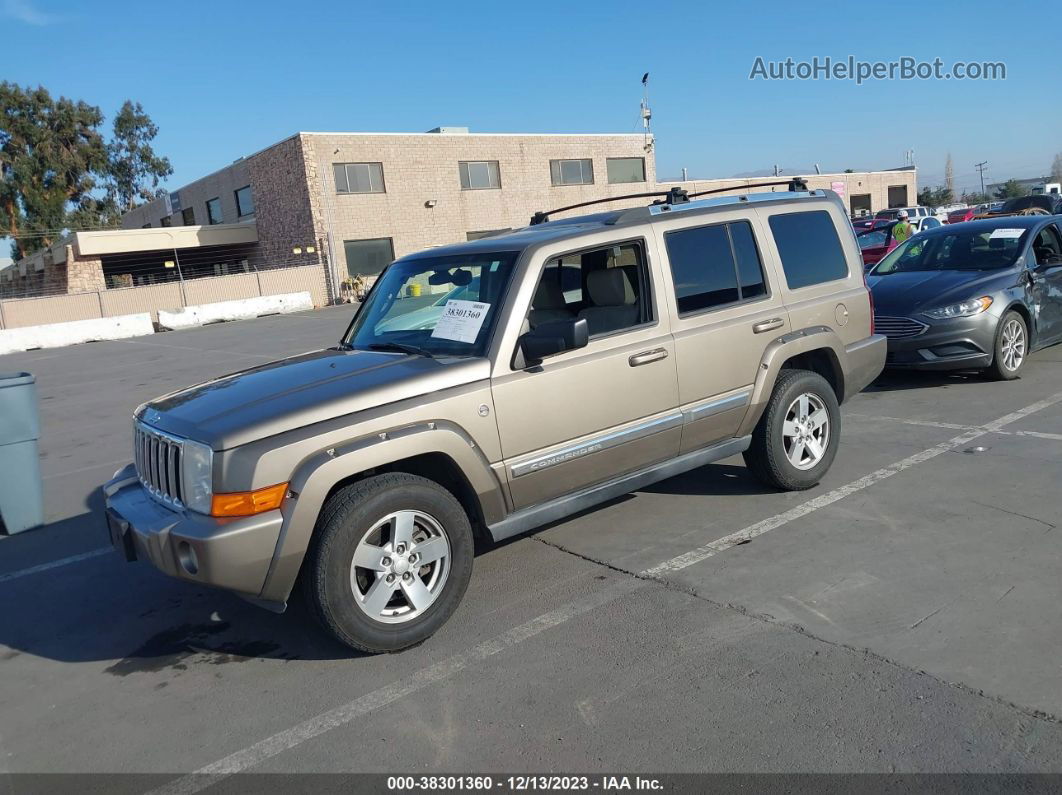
(920, 218)
(942, 212)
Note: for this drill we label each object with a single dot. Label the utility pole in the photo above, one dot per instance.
(981, 169)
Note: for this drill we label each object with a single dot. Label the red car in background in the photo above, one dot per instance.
(875, 241)
(964, 214)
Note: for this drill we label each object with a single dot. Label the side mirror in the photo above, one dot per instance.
(549, 339)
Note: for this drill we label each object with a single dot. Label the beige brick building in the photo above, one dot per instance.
(358, 200)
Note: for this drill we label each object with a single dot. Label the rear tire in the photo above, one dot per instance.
(796, 439)
(390, 561)
(1011, 348)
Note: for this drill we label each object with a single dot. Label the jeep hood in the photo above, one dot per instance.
(292, 393)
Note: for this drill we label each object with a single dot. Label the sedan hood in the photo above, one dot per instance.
(293, 393)
(911, 292)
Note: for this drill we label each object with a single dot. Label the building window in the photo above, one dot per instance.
(625, 169)
(359, 177)
(572, 172)
(713, 266)
(809, 247)
(244, 202)
(166, 220)
(213, 211)
(479, 174)
(368, 257)
(188, 216)
(486, 233)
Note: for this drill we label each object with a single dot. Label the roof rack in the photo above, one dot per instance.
(671, 196)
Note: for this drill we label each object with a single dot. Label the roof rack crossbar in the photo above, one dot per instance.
(796, 185)
(672, 196)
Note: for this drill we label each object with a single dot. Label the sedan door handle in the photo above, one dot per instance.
(646, 357)
(767, 325)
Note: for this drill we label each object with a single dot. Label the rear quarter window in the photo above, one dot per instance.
(809, 247)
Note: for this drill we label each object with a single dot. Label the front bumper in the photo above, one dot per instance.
(234, 554)
(959, 344)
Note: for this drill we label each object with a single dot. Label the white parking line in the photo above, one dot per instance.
(308, 729)
(55, 564)
(1055, 437)
(830, 497)
(313, 727)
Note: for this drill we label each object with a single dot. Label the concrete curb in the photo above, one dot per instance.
(57, 335)
(243, 309)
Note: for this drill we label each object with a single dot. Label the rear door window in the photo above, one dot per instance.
(714, 266)
(809, 247)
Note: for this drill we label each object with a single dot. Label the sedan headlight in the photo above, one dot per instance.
(965, 309)
(197, 472)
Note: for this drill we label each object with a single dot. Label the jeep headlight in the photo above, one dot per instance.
(969, 308)
(197, 461)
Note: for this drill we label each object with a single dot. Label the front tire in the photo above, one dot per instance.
(796, 439)
(1011, 348)
(390, 562)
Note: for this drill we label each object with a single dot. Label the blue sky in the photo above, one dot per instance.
(223, 79)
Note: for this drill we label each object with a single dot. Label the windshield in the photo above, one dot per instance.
(437, 306)
(985, 249)
(874, 239)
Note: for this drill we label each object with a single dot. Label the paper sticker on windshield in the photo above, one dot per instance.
(461, 321)
(1008, 234)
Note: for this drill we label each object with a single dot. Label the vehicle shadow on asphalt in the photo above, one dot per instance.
(900, 380)
(103, 609)
(714, 480)
(139, 621)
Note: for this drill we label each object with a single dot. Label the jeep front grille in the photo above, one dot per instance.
(158, 463)
(898, 328)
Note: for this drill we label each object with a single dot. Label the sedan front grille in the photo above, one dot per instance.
(898, 328)
(158, 463)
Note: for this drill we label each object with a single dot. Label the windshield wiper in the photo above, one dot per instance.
(399, 346)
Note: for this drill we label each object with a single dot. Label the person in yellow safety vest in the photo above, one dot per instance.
(902, 230)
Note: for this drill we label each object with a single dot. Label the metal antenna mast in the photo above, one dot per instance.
(647, 115)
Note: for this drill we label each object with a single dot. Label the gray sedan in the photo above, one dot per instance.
(978, 295)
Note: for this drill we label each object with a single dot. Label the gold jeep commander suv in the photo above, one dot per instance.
(489, 387)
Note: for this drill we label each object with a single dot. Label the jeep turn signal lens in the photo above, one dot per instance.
(248, 503)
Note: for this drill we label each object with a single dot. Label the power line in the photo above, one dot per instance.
(981, 170)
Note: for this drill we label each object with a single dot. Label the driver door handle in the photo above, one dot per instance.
(645, 357)
(767, 325)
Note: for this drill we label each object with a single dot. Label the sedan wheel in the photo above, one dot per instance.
(1012, 346)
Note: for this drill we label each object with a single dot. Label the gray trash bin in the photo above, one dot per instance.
(21, 492)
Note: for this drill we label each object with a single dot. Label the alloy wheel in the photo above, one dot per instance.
(400, 567)
(1012, 345)
(806, 431)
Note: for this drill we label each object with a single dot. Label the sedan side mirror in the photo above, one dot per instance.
(549, 339)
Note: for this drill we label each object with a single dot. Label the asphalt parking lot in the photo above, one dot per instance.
(902, 616)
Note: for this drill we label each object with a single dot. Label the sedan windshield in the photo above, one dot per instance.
(434, 306)
(981, 250)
